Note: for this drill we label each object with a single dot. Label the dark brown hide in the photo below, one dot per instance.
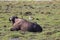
(24, 25)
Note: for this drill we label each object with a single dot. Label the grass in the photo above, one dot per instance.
(47, 12)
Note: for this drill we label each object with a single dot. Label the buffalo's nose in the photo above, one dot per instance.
(11, 29)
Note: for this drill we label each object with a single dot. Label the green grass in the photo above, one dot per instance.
(49, 22)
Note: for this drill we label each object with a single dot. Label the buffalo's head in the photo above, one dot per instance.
(12, 19)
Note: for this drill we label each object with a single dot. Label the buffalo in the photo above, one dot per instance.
(24, 25)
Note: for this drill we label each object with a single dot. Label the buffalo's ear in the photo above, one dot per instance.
(10, 19)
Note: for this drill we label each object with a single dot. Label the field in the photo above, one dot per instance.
(48, 14)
